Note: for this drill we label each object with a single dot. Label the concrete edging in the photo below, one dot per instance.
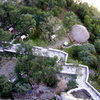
(65, 55)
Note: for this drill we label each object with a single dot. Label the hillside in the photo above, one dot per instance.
(59, 24)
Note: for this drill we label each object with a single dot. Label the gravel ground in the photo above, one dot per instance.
(7, 67)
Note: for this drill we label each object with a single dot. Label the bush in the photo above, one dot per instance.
(41, 69)
(24, 23)
(97, 45)
(90, 61)
(7, 89)
(84, 54)
(83, 10)
(43, 4)
(92, 37)
(72, 84)
(69, 2)
(22, 87)
(27, 10)
(88, 23)
(98, 80)
(87, 55)
(97, 30)
(70, 19)
(75, 7)
(88, 47)
(56, 11)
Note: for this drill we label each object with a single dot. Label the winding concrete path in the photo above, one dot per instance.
(82, 71)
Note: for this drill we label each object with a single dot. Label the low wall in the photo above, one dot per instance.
(86, 82)
(65, 56)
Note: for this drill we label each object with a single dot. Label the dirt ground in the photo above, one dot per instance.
(7, 67)
(58, 43)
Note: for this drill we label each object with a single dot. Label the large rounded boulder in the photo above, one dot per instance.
(79, 33)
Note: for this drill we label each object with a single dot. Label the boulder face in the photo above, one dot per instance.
(79, 33)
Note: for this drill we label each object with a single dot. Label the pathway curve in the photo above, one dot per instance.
(82, 71)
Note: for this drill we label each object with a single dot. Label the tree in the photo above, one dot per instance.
(74, 51)
(7, 89)
(56, 11)
(24, 23)
(97, 45)
(40, 69)
(5, 37)
(25, 48)
(3, 80)
(84, 54)
(70, 19)
(83, 10)
(69, 2)
(90, 61)
(22, 87)
(98, 80)
(88, 22)
(11, 13)
(44, 4)
(32, 3)
(89, 47)
(1, 13)
(51, 25)
(60, 3)
(75, 7)
(97, 30)
(27, 10)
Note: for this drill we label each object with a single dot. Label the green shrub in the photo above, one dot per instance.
(97, 45)
(22, 87)
(75, 7)
(84, 53)
(41, 69)
(69, 2)
(70, 19)
(56, 11)
(88, 47)
(72, 84)
(90, 61)
(97, 30)
(83, 10)
(88, 23)
(7, 89)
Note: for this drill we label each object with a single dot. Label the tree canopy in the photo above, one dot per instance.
(24, 23)
(40, 69)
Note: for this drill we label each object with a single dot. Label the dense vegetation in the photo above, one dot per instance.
(5, 87)
(72, 84)
(30, 69)
(38, 68)
(39, 20)
(88, 55)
